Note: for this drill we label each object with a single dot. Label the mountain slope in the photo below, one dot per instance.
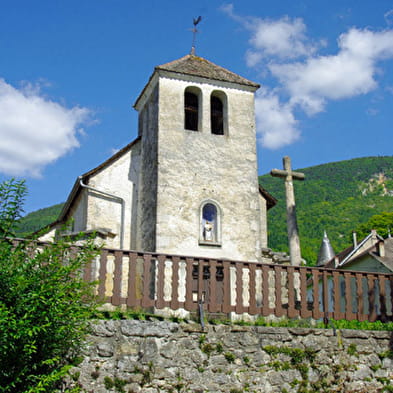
(38, 219)
(335, 197)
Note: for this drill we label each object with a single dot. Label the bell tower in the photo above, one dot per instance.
(198, 191)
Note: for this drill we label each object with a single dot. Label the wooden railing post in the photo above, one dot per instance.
(292, 296)
(325, 295)
(212, 306)
(337, 314)
(266, 309)
(279, 311)
(132, 297)
(382, 299)
(102, 274)
(316, 313)
(239, 308)
(146, 299)
(252, 289)
(174, 303)
(361, 315)
(189, 304)
(371, 298)
(226, 301)
(160, 282)
(304, 311)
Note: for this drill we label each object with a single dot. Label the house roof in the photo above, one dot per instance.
(387, 259)
(198, 66)
(349, 255)
(76, 188)
(374, 252)
(270, 200)
(340, 257)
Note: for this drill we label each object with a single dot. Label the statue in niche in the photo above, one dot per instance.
(208, 231)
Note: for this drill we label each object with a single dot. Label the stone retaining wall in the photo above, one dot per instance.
(160, 356)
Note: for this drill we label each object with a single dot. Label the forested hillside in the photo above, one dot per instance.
(335, 197)
(39, 219)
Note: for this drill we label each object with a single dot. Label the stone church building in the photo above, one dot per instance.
(188, 184)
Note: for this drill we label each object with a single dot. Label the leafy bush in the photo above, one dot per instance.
(382, 223)
(44, 303)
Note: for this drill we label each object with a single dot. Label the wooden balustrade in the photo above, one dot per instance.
(149, 280)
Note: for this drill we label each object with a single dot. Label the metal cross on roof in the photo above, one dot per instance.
(194, 31)
(293, 232)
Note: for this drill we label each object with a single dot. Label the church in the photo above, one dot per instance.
(188, 184)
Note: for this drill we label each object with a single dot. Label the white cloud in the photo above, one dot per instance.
(310, 83)
(35, 131)
(347, 74)
(283, 38)
(276, 123)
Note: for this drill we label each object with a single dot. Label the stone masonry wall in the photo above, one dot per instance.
(197, 166)
(146, 224)
(161, 356)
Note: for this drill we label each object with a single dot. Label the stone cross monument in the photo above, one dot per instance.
(293, 232)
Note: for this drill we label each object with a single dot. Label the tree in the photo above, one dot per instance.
(45, 304)
(382, 223)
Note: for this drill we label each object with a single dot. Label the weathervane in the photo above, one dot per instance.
(194, 31)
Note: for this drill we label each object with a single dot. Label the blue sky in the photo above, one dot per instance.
(71, 70)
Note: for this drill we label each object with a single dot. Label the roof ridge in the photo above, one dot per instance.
(199, 66)
(173, 61)
(93, 171)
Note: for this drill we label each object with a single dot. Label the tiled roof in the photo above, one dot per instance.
(198, 66)
(270, 200)
(85, 176)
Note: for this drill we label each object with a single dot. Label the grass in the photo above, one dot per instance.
(260, 321)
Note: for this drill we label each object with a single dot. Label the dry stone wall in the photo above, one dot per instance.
(161, 356)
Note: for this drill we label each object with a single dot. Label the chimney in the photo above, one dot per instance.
(355, 239)
(381, 248)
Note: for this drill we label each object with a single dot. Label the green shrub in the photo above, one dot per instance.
(219, 348)
(207, 348)
(387, 354)
(230, 357)
(119, 385)
(352, 350)
(109, 383)
(44, 304)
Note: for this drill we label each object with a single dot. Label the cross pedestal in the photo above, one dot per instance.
(293, 232)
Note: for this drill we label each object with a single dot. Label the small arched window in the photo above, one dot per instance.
(191, 110)
(217, 115)
(210, 224)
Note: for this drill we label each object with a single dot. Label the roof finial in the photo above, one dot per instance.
(326, 252)
(194, 31)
